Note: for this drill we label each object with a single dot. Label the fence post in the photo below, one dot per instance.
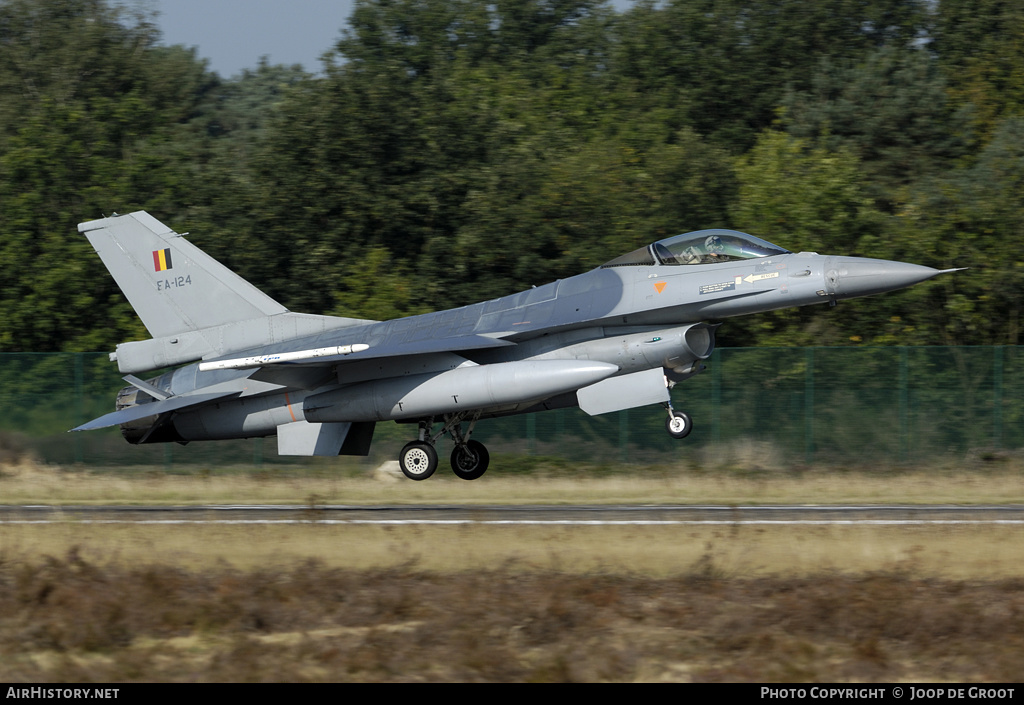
(808, 404)
(257, 455)
(79, 405)
(997, 396)
(624, 436)
(716, 397)
(902, 404)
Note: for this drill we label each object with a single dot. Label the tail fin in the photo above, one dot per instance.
(194, 307)
(173, 286)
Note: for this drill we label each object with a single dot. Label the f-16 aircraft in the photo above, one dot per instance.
(617, 337)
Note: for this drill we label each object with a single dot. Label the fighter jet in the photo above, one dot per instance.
(617, 337)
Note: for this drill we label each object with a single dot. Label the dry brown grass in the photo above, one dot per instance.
(113, 603)
(32, 483)
(962, 552)
(71, 620)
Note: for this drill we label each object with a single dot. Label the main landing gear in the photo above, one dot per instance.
(469, 459)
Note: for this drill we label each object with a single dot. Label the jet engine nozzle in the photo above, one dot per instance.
(148, 429)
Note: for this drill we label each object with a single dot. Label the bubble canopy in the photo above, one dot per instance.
(700, 247)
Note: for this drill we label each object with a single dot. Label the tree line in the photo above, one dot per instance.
(450, 151)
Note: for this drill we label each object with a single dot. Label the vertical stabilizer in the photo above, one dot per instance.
(173, 286)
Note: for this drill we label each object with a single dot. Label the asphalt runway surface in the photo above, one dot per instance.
(596, 515)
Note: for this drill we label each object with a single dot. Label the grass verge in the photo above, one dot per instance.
(555, 484)
(69, 619)
(112, 603)
(948, 552)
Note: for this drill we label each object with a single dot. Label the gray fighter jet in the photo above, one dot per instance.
(617, 337)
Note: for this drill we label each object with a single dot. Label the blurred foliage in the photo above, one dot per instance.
(891, 110)
(451, 151)
(980, 46)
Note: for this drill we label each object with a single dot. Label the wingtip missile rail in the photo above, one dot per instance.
(298, 356)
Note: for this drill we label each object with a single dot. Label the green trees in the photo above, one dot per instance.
(453, 151)
(980, 45)
(88, 118)
(723, 66)
(891, 110)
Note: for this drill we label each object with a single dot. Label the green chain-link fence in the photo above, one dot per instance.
(800, 405)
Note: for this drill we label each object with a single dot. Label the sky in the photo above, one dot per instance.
(233, 34)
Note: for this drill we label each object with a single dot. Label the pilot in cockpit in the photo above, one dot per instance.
(712, 251)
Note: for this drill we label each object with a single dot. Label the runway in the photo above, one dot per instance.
(520, 515)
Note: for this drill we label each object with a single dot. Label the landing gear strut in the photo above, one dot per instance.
(469, 459)
(678, 423)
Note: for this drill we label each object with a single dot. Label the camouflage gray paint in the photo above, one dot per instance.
(613, 338)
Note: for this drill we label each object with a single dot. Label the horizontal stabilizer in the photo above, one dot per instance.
(141, 411)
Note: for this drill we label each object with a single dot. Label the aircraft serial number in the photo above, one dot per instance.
(175, 283)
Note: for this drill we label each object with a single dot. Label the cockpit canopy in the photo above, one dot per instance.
(700, 247)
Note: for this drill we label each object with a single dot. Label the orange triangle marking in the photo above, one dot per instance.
(659, 287)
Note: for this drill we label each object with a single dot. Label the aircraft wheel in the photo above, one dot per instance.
(470, 461)
(679, 426)
(418, 460)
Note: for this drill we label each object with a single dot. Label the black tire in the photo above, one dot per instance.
(679, 426)
(418, 460)
(470, 461)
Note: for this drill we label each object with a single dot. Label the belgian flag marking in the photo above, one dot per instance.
(162, 259)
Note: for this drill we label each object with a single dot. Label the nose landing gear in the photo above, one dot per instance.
(678, 423)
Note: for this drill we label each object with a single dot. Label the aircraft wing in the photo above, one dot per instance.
(320, 357)
(457, 344)
(141, 411)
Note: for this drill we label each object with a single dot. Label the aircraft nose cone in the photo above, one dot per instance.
(848, 277)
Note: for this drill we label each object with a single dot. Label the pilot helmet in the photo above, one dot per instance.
(714, 245)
